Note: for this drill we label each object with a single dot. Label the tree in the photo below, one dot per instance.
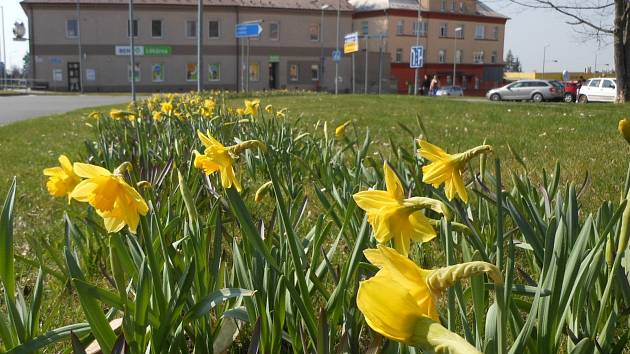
(26, 65)
(512, 63)
(594, 18)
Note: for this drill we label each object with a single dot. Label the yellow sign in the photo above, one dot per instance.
(351, 43)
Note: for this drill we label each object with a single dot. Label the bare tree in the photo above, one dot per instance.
(593, 17)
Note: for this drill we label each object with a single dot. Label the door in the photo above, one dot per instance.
(510, 92)
(74, 81)
(594, 91)
(609, 90)
(273, 76)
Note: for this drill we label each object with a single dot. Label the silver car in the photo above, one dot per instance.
(450, 91)
(535, 90)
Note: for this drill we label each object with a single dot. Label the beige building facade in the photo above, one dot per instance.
(465, 32)
(287, 55)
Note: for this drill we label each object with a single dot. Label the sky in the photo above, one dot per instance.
(527, 32)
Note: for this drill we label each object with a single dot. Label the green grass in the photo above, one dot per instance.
(582, 137)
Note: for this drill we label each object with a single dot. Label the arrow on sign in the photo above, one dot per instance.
(244, 30)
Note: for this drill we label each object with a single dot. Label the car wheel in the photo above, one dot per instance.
(583, 99)
(537, 97)
(568, 98)
(495, 97)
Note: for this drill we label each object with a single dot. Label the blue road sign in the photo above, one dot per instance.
(251, 29)
(336, 55)
(417, 57)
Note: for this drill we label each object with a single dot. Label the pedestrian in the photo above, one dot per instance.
(435, 85)
(426, 84)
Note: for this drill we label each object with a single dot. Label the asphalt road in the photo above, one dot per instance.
(14, 108)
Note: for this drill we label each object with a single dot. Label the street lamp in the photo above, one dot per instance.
(458, 29)
(4, 52)
(415, 73)
(544, 59)
(321, 39)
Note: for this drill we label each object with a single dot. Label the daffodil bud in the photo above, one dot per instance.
(247, 145)
(144, 185)
(420, 203)
(124, 167)
(442, 278)
(624, 129)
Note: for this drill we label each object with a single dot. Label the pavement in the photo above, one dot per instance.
(15, 108)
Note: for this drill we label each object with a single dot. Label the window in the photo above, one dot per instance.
(136, 73)
(135, 28)
(254, 72)
(214, 72)
(72, 28)
(293, 72)
(461, 7)
(400, 27)
(156, 28)
(213, 29)
(442, 56)
(493, 57)
(157, 72)
(191, 29)
(608, 85)
(421, 26)
(464, 82)
(399, 55)
(459, 55)
(191, 72)
(274, 31)
(443, 5)
(449, 80)
(480, 32)
(313, 31)
(365, 27)
(495, 33)
(477, 83)
(453, 6)
(460, 34)
(478, 57)
(315, 72)
(594, 83)
(444, 30)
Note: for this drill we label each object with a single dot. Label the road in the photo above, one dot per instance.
(14, 108)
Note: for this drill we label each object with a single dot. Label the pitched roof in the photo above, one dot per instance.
(273, 4)
(375, 5)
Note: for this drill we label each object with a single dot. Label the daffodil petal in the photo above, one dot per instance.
(393, 183)
(90, 171)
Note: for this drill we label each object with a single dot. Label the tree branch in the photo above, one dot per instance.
(565, 10)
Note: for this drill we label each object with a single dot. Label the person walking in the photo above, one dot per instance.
(426, 84)
(435, 85)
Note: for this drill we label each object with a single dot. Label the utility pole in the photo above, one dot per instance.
(321, 41)
(458, 29)
(4, 53)
(132, 54)
(337, 50)
(415, 82)
(366, 62)
(199, 43)
(79, 44)
(544, 60)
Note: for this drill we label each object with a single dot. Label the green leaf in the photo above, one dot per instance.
(48, 338)
(7, 271)
(206, 304)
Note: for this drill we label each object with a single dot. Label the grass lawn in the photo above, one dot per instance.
(582, 137)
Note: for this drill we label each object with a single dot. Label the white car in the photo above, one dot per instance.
(598, 90)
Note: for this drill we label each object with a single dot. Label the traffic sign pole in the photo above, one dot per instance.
(366, 63)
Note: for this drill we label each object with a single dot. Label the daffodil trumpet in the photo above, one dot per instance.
(447, 169)
(399, 302)
(394, 217)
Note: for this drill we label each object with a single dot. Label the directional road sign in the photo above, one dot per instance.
(336, 55)
(417, 57)
(249, 29)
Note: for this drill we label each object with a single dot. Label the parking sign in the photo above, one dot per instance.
(417, 57)
(351, 43)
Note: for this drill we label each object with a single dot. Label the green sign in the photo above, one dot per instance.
(157, 50)
(274, 58)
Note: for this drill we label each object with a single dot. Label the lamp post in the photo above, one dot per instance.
(458, 29)
(132, 56)
(79, 45)
(199, 42)
(321, 40)
(4, 53)
(337, 50)
(415, 73)
(544, 59)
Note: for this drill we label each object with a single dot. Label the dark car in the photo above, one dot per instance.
(570, 90)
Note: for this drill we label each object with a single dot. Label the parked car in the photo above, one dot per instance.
(535, 90)
(598, 90)
(570, 90)
(450, 91)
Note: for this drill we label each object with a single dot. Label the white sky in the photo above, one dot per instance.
(527, 33)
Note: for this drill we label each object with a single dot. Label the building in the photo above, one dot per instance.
(288, 54)
(467, 32)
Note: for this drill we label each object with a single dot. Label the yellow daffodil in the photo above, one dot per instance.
(394, 217)
(251, 107)
(269, 108)
(115, 201)
(448, 169)
(341, 130)
(240, 111)
(208, 107)
(95, 115)
(399, 302)
(260, 193)
(166, 107)
(624, 129)
(281, 113)
(216, 157)
(62, 179)
(157, 116)
(116, 114)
